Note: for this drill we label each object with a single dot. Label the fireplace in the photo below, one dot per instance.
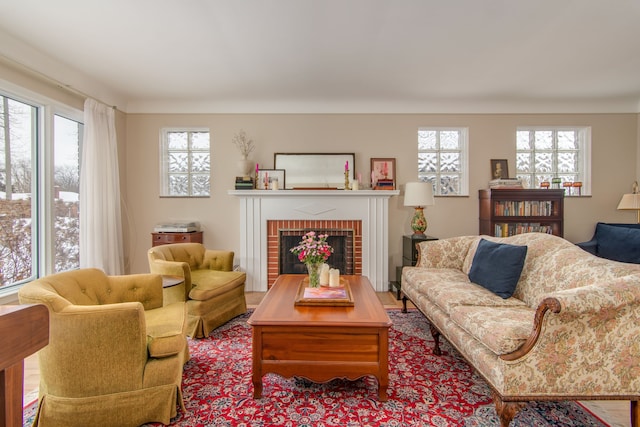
(263, 213)
(345, 237)
(341, 257)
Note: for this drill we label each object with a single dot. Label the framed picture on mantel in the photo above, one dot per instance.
(271, 179)
(383, 173)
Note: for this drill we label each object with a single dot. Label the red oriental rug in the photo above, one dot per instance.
(424, 390)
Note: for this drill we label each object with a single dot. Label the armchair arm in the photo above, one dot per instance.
(218, 260)
(172, 268)
(84, 340)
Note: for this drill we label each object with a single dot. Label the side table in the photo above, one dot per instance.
(409, 257)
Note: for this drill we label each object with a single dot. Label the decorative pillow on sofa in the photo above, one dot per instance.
(497, 267)
(618, 243)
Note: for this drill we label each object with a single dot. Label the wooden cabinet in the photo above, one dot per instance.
(506, 212)
(158, 239)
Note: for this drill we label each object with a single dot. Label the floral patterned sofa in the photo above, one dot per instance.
(570, 331)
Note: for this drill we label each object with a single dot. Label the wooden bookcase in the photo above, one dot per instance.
(505, 212)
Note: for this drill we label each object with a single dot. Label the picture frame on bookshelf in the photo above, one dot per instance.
(271, 179)
(383, 173)
(499, 169)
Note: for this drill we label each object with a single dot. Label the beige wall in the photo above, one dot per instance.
(615, 162)
(614, 153)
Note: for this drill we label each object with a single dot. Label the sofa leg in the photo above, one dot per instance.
(435, 333)
(404, 304)
(635, 414)
(506, 410)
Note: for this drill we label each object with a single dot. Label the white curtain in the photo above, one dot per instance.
(100, 216)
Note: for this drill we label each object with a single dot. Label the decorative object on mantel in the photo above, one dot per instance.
(383, 174)
(245, 146)
(313, 250)
(347, 185)
(418, 195)
(631, 201)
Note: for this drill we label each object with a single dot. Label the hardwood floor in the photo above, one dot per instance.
(613, 412)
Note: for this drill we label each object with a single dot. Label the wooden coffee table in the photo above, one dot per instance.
(320, 343)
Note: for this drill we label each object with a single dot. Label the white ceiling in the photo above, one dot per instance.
(335, 55)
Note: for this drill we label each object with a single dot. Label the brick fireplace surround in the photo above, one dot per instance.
(273, 240)
(263, 212)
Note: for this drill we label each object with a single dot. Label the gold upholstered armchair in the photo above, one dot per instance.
(214, 293)
(115, 353)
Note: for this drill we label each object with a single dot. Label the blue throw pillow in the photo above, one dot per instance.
(618, 243)
(497, 267)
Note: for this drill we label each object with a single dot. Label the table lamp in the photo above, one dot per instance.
(631, 201)
(418, 195)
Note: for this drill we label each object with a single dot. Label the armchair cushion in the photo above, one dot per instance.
(207, 284)
(165, 334)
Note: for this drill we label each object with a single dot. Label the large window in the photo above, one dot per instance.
(559, 156)
(442, 160)
(39, 174)
(185, 163)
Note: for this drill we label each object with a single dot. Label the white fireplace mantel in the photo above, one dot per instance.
(259, 206)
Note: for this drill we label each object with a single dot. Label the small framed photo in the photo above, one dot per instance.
(499, 169)
(271, 179)
(383, 174)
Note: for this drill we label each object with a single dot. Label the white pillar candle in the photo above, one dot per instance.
(334, 278)
(355, 185)
(274, 184)
(324, 275)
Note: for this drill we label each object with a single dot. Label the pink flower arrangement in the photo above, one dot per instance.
(313, 248)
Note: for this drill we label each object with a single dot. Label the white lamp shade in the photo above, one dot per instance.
(629, 202)
(418, 194)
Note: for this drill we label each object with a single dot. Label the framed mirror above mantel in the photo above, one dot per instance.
(316, 170)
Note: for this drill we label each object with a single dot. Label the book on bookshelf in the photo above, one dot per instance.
(523, 208)
(511, 229)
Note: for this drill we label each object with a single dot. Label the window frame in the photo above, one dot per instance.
(464, 159)
(42, 180)
(164, 164)
(584, 153)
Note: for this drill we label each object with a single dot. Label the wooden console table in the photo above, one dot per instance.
(24, 330)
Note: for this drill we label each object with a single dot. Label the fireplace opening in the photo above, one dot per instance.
(340, 240)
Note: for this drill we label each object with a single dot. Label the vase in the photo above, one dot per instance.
(244, 167)
(314, 273)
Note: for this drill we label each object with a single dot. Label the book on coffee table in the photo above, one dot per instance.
(324, 295)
